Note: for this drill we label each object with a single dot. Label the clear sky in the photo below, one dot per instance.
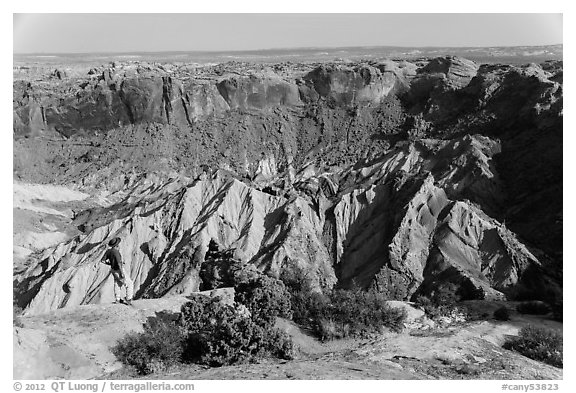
(78, 33)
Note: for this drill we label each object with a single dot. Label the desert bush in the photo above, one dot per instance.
(540, 344)
(330, 329)
(307, 304)
(283, 347)
(296, 280)
(220, 269)
(217, 270)
(210, 332)
(309, 307)
(441, 302)
(502, 314)
(218, 335)
(446, 294)
(423, 302)
(432, 309)
(365, 312)
(157, 348)
(343, 312)
(266, 298)
(533, 307)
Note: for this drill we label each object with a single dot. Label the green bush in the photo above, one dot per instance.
(540, 344)
(266, 298)
(502, 314)
(207, 331)
(342, 313)
(364, 312)
(432, 309)
(446, 294)
(307, 304)
(217, 334)
(220, 269)
(309, 307)
(157, 348)
(283, 347)
(533, 307)
(441, 302)
(330, 329)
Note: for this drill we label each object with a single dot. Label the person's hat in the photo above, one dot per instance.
(114, 241)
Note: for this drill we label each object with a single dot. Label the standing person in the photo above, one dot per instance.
(113, 258)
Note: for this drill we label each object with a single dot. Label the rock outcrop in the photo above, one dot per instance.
(392, 175)
(343, 86)
(391, 225)
(165, 240)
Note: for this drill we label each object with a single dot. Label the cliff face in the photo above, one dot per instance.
(397, 176)
(440, 89)
(115, 97)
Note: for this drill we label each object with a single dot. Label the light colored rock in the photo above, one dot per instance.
(269, 231)
(30, 352)
(75, 342)
(394, 227)
(24, 194)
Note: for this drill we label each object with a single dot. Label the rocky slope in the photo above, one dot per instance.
(400, 176)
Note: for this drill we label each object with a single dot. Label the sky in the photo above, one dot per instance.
(86, 33)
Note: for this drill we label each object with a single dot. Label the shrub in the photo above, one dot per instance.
(344, 313)
(210, 332)
(307, 304)
(365, 312)
(266, 298)
(502, 314)
(296, 280)
(157, 348)
(308, 307)
(446, 294)
(216, 271)
(540, 344)
(533, 307)
(432, 309)
(283, 347)
(220, 269)
(329, 329)
(441, 302)
(218, 335)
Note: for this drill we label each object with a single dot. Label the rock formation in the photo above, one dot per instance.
(397, 176)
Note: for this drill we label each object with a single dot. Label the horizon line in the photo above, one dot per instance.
(285, 49)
